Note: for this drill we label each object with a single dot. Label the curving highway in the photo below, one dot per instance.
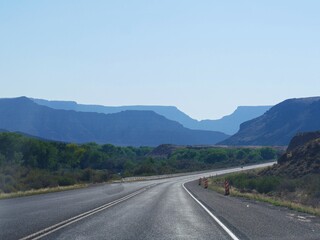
(155, 209)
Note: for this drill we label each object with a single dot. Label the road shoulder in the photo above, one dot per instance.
(249, 219)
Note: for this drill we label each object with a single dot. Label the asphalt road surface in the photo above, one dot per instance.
(155, 209)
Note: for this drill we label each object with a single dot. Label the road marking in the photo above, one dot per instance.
(228, 231)
(79, 217)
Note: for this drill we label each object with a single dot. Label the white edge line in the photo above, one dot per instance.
(230, 233)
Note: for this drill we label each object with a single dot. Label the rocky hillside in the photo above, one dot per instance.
(278, 125)
(301, 158)
(302, 138)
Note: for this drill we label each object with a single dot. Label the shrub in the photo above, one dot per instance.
(66, 181)
(267, 184)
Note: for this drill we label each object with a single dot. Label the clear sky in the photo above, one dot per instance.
(205, 57)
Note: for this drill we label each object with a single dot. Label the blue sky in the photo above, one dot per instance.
(205, 57)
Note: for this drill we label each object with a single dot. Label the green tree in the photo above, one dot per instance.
(241, 154)
(2, 159)
(267, 153)
(73, 155)
(216, 156)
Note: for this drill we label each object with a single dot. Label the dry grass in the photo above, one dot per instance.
(41, 191)
(264, 198)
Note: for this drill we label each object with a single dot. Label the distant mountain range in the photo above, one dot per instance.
(279, 124)
(153, 125)
(128, 127)
(228, 124)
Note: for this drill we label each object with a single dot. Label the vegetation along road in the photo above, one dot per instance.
(156, 209)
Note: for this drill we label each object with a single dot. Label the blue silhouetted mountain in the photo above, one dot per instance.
(278, 125)
(133, 128)
(228, 124)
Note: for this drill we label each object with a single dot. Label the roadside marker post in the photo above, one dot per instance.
(206, 183)
(200, 180)
(226, 188)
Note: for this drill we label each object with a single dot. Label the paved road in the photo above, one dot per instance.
(163, 212)
(162, 209)
(20, 217)
(249, 219)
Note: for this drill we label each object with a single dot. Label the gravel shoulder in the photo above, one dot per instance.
(249, 219)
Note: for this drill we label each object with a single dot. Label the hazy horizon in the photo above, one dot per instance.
(205, 58)
(149, 105)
